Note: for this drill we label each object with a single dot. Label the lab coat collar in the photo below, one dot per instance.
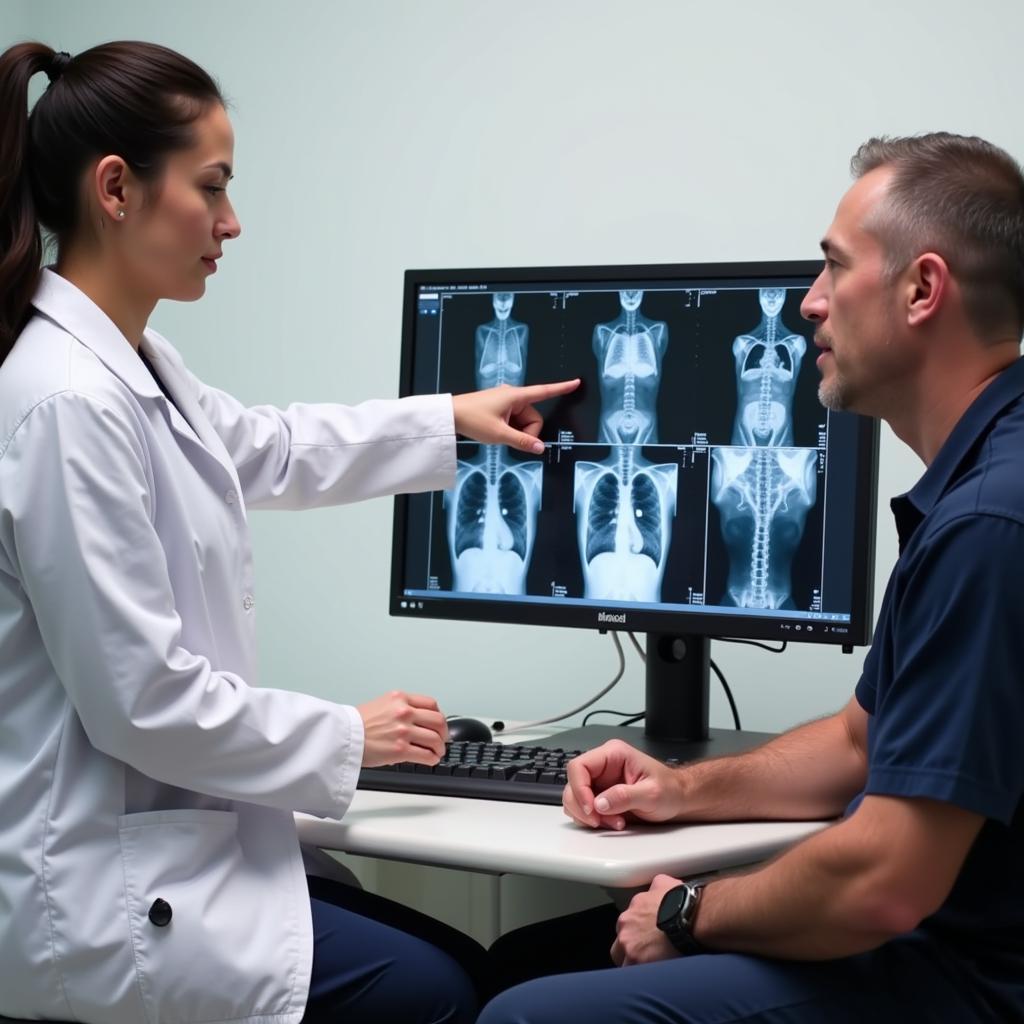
(69, 307)
(187, 416)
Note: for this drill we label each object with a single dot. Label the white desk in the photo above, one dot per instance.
(499, 837)
(517, 863)
(531, 839)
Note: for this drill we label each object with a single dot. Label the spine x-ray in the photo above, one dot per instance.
(492, 510)
(625, 504)
(761, 485)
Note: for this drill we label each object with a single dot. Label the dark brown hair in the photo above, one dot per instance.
(962, 198)
(135, 100)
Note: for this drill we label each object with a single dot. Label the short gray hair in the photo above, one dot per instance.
(963, 198)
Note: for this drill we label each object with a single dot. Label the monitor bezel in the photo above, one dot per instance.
(717, 624)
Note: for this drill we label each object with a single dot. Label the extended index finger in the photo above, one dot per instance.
(539, 392)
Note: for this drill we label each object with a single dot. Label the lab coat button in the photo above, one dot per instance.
(160, 913)
(248, 602)
(231, 496)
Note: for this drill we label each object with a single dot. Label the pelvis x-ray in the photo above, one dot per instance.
(492, 509)
(762, 488)
(625, 504)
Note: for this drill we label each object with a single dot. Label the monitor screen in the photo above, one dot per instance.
(694, 484)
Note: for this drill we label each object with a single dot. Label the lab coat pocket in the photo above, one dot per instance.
(206, 935)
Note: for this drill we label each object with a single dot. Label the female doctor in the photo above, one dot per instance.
(149, 865)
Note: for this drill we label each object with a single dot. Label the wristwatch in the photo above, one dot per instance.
(676, 915)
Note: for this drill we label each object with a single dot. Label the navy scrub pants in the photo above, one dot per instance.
(904, 981)
(376, 961)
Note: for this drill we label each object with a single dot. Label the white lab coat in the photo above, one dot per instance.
(138, 760)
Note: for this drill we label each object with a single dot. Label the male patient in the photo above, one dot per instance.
(910, 907)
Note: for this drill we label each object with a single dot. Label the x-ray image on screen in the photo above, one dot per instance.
(767, 364)
(625, 504)
(492, 509)
(629, 353)
(762, 496)
(762, 488)
(501, 347)
(693, 482)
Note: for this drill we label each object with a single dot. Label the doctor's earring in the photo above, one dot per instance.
(120, 214)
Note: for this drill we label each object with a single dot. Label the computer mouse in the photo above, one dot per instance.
(468, 729)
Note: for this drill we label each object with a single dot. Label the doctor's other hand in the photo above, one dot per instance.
(505, 415)
(614, 783)
(402, 727)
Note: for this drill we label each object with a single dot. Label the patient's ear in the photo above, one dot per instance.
(925, 287)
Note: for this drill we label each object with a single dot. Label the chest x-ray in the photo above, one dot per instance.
(500, 348)
(767, 362)
(761, 486)
(625, 504)
(492, 509)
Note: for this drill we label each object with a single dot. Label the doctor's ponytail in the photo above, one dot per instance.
(134, 100)
(20, 243)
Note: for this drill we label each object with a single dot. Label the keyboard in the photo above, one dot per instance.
(519, 772)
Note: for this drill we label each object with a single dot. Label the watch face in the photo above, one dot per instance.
(676, 914)
(671, 904)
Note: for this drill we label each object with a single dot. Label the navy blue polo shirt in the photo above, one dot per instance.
(943, 682)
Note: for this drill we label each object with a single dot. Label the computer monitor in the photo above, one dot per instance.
(693, 487)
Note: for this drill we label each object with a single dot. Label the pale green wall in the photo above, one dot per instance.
(375, 136)
(14, 21)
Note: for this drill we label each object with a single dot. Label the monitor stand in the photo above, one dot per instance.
(678, 697)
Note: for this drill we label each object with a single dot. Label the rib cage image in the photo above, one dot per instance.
(492, 509)
(762, 486)
(625, 505)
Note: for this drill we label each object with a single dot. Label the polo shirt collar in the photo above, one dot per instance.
(910, 509)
